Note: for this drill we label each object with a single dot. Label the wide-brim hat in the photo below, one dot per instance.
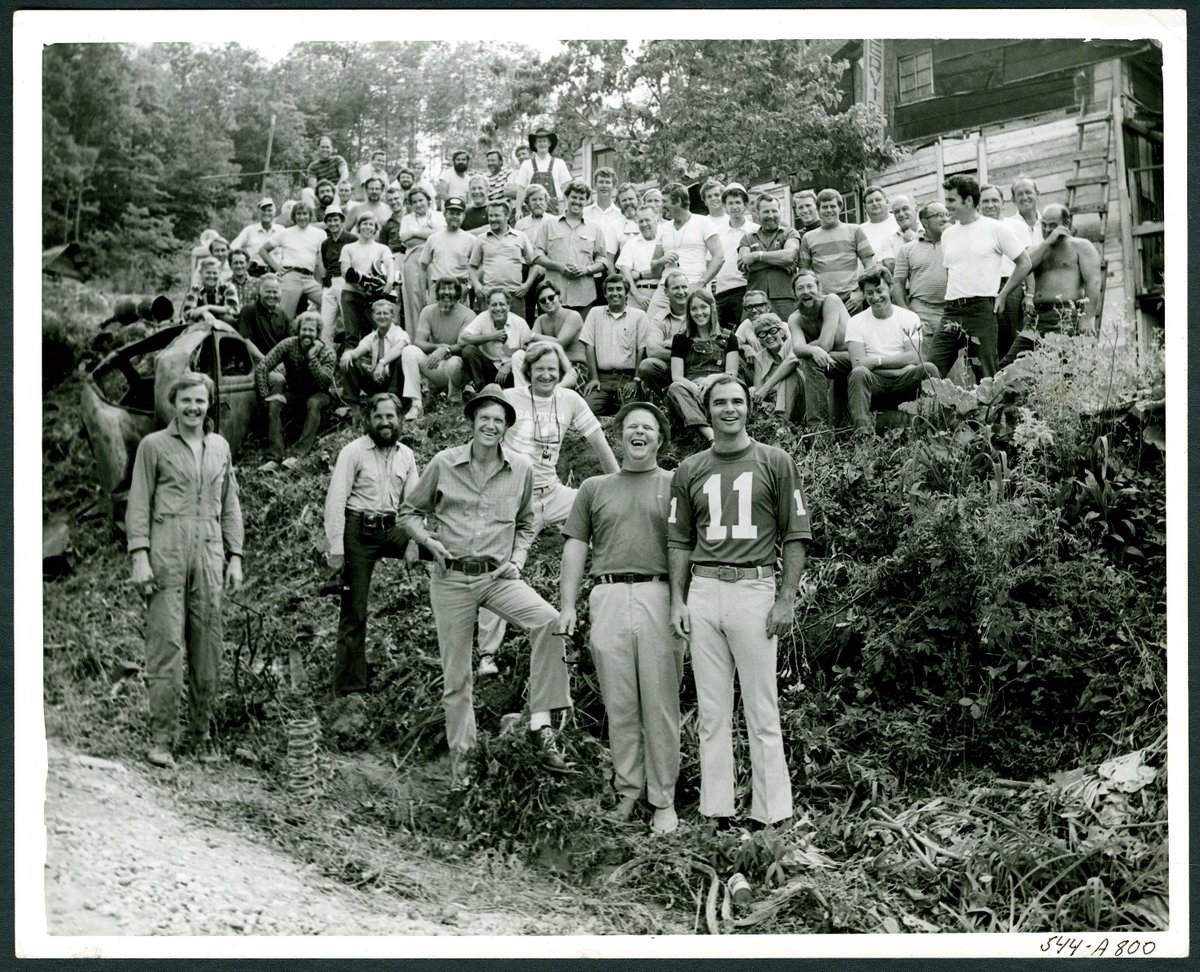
(491, 393)
(664, 426)
(535, 135)
(333, 209)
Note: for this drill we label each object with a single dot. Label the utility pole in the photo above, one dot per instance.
(267, 163)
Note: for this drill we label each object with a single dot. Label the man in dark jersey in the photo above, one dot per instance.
(730, 506)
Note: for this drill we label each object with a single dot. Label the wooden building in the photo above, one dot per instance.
(1081, 118)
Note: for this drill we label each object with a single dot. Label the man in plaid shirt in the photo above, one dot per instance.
(211, 300)
(306, 381)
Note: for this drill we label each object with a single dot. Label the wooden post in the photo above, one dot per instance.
(267, 163)
(941, 163)
(981, 157)
(1124, 209)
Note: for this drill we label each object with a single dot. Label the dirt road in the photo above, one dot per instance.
(123, 858)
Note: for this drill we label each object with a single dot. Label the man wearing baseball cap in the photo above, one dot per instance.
(639, 660)
(729, 285)
(473, 510)
(447, 254)
(252, 237)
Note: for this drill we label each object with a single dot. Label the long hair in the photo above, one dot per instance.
(692, 330)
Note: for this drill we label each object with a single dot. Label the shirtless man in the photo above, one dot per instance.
(818, 333)
(1067, 297)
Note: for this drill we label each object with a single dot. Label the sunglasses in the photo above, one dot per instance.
(548, 299)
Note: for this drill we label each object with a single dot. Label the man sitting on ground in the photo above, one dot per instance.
(490, 340)
(263, 322)
(210, 300)
(818, 331)
(305, 382)
(436, 352)
(374, 365)
(884, 343)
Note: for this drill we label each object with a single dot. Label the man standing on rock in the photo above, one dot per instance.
(473, 510)
(374, 474)
(639, 660)
(182, 519)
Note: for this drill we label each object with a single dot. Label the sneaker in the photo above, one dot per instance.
(460, 772)
(414, 414)
(206, 751)
(487, 666)
(291, 462)
(269, 466)
(622, 811)
(665, 820)
(161, 756)
(545, 740)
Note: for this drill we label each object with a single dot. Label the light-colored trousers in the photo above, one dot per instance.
(729, 633)
(331, 310)
(455, 599)
(447, 373)
(413, 289)
(639, 662)
(551, 507)
(291, 286)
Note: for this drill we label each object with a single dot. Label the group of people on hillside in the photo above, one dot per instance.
(643, 309)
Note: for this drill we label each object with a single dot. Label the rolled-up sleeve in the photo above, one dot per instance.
(524, 534)
(141, 494)
(419, 502)
(232, 530)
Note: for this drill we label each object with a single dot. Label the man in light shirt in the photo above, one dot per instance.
(919, 284)
(627, 202)
(294, 253)
(836, 251)
(904, 211)
(634, 262)
(489, 341)
(1026, 224)
(544, 169)
(687, 243)
(454, 181)
(499, 258)
(376, 167)
(881, 227)
(729, 285)
(252, 237)
(447, 253)
(654, 369)
(972, 250)
(713, 194)
(373, 365)
(603, 210)
(373, 476)
(571, 250)
(884, 343)
(613, 337)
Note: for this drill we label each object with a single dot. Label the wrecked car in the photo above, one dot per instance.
(125, 396)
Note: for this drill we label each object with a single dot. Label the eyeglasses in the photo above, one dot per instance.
(548, 299)
(754, 307)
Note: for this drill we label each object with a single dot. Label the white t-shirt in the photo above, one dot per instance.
(886, 336)
(541, 425)
(882, 237)
(971, 253)
(517, 335)
(636, 254)
(611, 221)
(1024, 234)
(729, 277)
(690, 243)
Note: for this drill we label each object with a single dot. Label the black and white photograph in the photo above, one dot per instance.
(513, 489)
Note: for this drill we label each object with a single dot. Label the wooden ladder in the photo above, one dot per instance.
(1089, 160)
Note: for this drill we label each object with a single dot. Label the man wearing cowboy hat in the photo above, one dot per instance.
(543, 169)
(473, 510)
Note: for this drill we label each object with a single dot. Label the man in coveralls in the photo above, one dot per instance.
(182, 519)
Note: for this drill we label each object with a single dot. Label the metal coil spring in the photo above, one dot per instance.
(302, 736)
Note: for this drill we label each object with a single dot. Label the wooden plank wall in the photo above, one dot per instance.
(1039, 148)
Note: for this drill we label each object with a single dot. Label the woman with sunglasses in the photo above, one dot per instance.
(698, 355)
(546, 412)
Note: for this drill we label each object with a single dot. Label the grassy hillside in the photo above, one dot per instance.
(980, 628)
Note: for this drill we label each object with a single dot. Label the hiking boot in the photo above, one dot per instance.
(545, 740)
(487, 665)
(665, 820)
(161, 756)
(622, 811)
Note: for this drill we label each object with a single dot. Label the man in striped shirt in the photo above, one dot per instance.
(835, 250)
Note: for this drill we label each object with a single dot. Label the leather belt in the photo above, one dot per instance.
(300, 270)
(472, 566)
(966, 300)
(374, 521)
(628, 578)
(729, 572)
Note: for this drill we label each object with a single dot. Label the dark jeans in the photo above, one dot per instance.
(314, 407)
(782, 307)
(361, 381)
(864, 385)
(976, 320)
(825, 392)
(729, 307)
(481, 370)
(363, 547)
(1008, 321)
(1049, 318)
(615, 388)
(356, 316)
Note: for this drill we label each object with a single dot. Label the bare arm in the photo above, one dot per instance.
(600, 446)
(1089, 270)
(716, 257)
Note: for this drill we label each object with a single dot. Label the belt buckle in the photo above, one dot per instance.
(473, 568)
(726, 573)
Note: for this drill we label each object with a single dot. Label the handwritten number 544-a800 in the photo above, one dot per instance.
(1118, 948)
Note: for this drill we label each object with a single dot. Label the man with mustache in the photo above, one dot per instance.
(373, 476)
(455, 182)
(767, 257)
(306, 383)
